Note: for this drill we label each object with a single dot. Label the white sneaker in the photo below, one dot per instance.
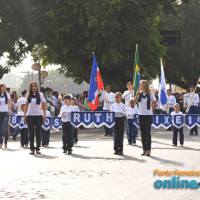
(181, 145)
(134, 144)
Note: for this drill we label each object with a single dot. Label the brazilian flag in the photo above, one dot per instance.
(137, 72)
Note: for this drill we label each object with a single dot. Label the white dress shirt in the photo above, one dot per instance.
(119, 109)
(171, 100)
(143, 105)
(76, 108)
(20, 101)
(108, 99)
(33, 108)
(195, 100)
(131, 112)
(65, 113)
(127, 96)
(3, 106)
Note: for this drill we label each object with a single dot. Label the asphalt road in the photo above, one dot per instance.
(94, 172)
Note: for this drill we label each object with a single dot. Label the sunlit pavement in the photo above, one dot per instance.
(94, 172)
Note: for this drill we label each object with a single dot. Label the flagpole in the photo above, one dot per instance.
(193, 95)
(134, 68)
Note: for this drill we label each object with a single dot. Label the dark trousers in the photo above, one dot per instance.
(24, 136)
(145, 122)
(67, 136)
(132, 131)
(45, 137)
(34, 121)
(175, 135)
(157, 111)
(108, 131)
(75, 134)
(194, 110)
(4, 117)
(119, 134)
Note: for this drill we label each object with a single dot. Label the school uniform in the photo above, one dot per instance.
(127, 95)
(108, 99)
(45, 134)
(171, 100)
(132, 129)
(34, 118)
(145, 118)
(67, 137)
(75, 130)
(120, 112)
(193, 109)
(157, 110)
(4, 117)
(23, 132)
(20, 101)
(177, 130)
(14, 131)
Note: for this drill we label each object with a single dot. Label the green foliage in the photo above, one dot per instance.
(69, 31)
(182, 63)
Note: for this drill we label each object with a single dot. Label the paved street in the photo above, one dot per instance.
(94, 172)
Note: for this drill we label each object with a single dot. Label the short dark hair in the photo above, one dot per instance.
(67, 96)
(47, 89)
(131, 83)
(24, 92)
(169, 90)
(192, 86)
(8, 89)
(108, 86)
(73, 99)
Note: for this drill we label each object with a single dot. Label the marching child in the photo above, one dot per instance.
(120, 111)
(176, 130)
(65, 113)
(45, 134)
(75, 130)
(23, 131)
(132, 129)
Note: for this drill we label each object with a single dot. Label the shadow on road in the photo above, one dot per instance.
(123, 157)
(167, 162)
(43, 156)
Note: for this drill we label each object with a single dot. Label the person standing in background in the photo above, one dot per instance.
(157, 110)
(21, 100)
(108, 98)
(193, 104)
(128, 94)
(5, 112)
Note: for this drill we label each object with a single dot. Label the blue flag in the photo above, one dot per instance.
(163, 95)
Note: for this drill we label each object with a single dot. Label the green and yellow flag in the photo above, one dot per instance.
(136, 81)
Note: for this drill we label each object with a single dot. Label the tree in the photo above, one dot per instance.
(182, 62)
(70, 31)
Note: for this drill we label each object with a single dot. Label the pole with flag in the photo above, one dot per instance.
(96, 84)
(136, 75)
(163, 95)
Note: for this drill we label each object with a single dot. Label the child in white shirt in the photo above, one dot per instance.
(120, 111)
(65, 113)
(176, 130)
(24, 139)
(132, 129)
(45, 134)
(75, 130)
